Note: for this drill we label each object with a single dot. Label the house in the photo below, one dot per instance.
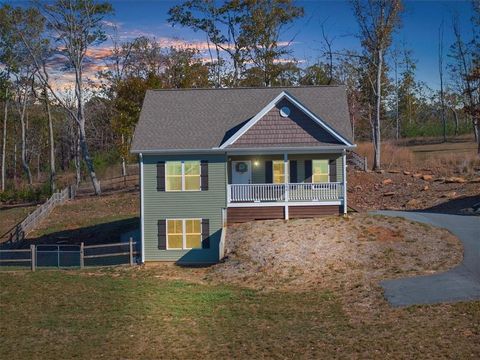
(214, 157)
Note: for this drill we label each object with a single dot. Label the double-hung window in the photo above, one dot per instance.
(184, 234)
(320, 171)
(182, 175)
(278, 171)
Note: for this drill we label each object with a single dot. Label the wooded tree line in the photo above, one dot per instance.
(57, 119)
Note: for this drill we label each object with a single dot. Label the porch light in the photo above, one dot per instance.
(256, 163)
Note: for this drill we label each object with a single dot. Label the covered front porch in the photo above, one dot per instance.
(286, 180)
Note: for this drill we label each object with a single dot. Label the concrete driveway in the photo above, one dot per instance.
(461, 283)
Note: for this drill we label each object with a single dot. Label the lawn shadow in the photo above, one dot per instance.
(104, 233)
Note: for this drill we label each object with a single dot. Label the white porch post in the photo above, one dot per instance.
(344, 160)
(286, 180)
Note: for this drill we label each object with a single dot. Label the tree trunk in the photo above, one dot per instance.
(25, 166)
(78, 170)
(4, 143)
(378, 106)
(53, 175)
(38, 167)
(88, 161)
(82, 138)
(455, 118)
(15, 164)
(476, 130)
(124, 162)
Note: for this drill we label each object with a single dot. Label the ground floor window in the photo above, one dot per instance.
(184, 234)
(278, 172)
(320, 171)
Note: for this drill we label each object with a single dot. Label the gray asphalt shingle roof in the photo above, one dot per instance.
(205, 118)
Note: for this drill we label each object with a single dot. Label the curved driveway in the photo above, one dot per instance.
(462, 283)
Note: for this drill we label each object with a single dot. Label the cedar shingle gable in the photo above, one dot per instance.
(296, 130)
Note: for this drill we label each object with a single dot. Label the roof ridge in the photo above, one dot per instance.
(252, 88)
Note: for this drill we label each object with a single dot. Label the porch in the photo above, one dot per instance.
(288, 185)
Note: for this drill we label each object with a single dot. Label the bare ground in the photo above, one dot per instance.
(408, 190)
(347, 255)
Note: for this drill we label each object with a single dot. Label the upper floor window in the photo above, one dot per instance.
(320, 171)
(182, 175)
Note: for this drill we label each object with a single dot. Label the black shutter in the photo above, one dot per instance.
(162, 234)
(332, 164)
(293, 171)
(205, 234)
(308, 171)
(161, 176)
(204, 175)
(269, 172)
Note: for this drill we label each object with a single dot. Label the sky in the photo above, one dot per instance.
(419, 31)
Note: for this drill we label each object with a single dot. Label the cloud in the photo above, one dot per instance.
(97, 57)
(112, 24)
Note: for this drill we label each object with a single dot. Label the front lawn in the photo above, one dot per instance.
(172, 312)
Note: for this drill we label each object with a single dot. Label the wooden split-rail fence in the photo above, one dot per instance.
(64, 256)
(19, 231)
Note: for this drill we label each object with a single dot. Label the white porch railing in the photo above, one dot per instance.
(284, 192)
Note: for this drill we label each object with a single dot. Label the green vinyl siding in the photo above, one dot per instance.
(258, 171)
(183, 205)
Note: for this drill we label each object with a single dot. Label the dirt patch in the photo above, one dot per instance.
(410, 190)
(348, 255)
(381, 233)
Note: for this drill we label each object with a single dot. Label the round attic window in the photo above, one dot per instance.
(285, 111)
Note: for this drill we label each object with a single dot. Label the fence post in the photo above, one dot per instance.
(365, 164)
(130, 243)
(82, 260)
(33, 257)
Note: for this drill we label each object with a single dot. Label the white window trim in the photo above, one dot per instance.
(184, 233)
(328, 170)
(183, 176)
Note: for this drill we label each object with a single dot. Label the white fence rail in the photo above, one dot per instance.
(18, 232)
(315, 192)
(285, 192)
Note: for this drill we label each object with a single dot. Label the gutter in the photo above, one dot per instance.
(263, 150)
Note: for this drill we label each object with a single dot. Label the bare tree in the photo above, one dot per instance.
(377, 20)
(465, 69)
(76, 25)
(328, 43)
(222, 27)
(23, 92)
(4, 134)
(8, 58)
(440, 72)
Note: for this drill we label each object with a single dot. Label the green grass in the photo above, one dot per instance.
(120, 313)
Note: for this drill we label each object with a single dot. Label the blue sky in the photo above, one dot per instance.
(420, 24)
(419, 31)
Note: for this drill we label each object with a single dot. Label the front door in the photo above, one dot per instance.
(242, 172)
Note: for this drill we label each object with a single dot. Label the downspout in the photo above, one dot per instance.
(221, 247)
(142, 209)
(344, 169)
